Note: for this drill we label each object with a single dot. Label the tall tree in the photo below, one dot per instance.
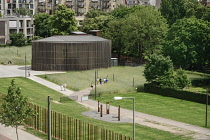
(42, 24)
(63, 21)
(178, 9)
(96, 23)
(145, 31)
(188, 43)
(14, 108)
(116, 34)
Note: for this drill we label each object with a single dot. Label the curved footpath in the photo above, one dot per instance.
(178, 128)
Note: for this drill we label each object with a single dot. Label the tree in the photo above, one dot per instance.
(63, 21)
(42, 24)
(15, 110)
(23, 12)
(18, 39)
(188, 43)
(181, 80)
(145, 31)
(96, 23)
(178, 9)
(116, 34)
(94, 13)
(159, 70)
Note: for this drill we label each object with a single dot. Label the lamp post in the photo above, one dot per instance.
(120, 98)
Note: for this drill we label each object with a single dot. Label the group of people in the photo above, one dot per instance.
(99, 80)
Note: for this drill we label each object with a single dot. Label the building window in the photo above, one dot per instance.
(31, 6)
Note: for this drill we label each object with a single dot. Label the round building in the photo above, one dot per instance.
(71, 53)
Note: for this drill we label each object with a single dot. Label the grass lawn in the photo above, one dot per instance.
(37, 93)
(16, 55)
(167, 107)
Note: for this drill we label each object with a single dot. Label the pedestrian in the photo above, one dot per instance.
(91, 85)
(61, 87)
(64, 87)
(100, 81)
(28, 72)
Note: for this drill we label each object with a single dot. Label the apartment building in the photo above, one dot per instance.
(8, 7)
(14, 24)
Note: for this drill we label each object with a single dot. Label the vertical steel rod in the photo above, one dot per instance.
(49, 119)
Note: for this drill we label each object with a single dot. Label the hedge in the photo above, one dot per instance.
(180, 94)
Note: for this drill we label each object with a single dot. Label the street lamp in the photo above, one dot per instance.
(120, 98)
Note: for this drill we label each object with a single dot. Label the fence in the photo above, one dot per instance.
(67, 128)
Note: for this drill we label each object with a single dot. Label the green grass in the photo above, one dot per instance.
(166, 107)
(37, 93)
(16, 55)
(120, 79)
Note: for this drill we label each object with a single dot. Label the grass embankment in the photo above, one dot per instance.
(37, 93)
(16, 55)
(122, 83)
(120, 79)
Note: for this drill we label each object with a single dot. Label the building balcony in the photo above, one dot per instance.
(81, 6)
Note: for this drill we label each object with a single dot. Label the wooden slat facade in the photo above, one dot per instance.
(71, 56)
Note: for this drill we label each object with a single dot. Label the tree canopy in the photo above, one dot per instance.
(63, 21)
(188, 43)
(145, 31)
(42, 24)
(178, 9)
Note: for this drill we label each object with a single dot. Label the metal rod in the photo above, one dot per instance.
(207, 101)
(25, 65)
(133, 118)
(95, 84)
(49, 119)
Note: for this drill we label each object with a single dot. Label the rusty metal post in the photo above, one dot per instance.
(107, 107)
(98, 106)
(101, 112)
(119, 113)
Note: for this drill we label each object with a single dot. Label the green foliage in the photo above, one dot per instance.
(33, 38)
(176, 93)
(15, 110)
(63, 21)
(178, 9)
(187, 43)
(23, 12)
(94, 13)
(0, 15)
(116, 34)
(97, 23)
(181, 80)
(18, 39)
(42, 24)
(159, 70)
(144, 34)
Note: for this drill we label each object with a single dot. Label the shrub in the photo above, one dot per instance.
(18, 39)
(176, 93)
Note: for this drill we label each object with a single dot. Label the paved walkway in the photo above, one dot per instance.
(9, 133)
(175, 127)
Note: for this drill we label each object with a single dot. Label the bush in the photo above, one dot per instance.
(29, 41)
(176, 93)
(18, 39)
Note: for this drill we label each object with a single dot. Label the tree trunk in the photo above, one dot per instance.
(17, 132)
